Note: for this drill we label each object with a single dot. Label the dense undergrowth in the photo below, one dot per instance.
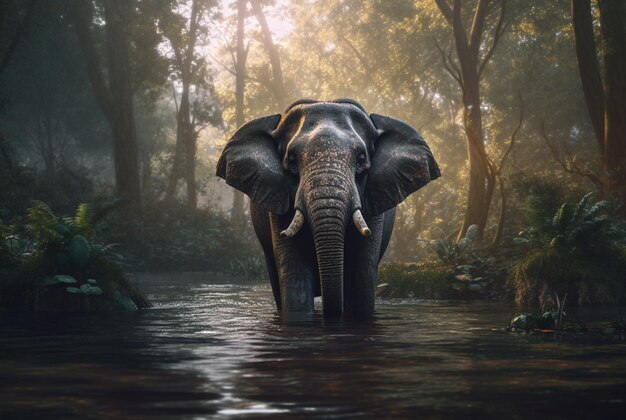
(573, 249)
(172, 237)
(581, 253)
(49, 263)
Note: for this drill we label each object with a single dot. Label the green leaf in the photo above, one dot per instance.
(78, 250)
(596, 208)
(74, 290)
(87, 289)
(83, 219)
(562, 218)
(63, 278)
(582, 205)
(464, 243)
(472, 232)
(124, 302)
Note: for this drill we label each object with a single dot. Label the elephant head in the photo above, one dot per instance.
(328, 163)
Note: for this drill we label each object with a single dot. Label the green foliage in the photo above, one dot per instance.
(247, 267)
(176, 238)
(428, 280)
(435, 279)
(48, 265)
(43, 226)
(449, 251)
(580, 253)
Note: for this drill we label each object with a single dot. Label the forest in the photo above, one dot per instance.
(120, 109)
(113, 118)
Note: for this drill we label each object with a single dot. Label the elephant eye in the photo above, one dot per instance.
(292, 163)
(361, 160)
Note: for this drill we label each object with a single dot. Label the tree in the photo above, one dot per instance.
(468, 74)
(114, 98)
(604, 85)
(237, 214)
(278, 85)
(11, 32)
(189, 70)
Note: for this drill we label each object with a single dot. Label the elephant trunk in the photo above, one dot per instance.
(328, 227)
(328, 206)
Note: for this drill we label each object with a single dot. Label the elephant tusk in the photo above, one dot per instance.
(360, 224)
(294, 227)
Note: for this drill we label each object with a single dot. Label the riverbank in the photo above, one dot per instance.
(483, 279)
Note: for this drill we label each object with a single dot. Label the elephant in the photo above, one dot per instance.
(324, 179)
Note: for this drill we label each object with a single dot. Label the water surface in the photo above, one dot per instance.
(213, 347)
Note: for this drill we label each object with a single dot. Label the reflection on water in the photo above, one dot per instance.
(210, 348)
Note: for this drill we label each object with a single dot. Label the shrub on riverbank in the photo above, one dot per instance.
(436, 279)
(580, 252)
(173, 237)
(53, 264)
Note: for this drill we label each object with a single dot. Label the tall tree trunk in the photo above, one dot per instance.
(186, 137)
(588, 66)
(278, 85)
(468, 49)
(125, 147)
(613, 33)
(237, 213)
(605, 92)
(177, 162)
(116, 99)
(184, 165)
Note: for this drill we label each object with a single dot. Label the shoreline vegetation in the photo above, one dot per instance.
(77, 263)
(52, 263)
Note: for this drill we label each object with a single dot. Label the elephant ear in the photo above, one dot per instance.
(402, 163)
(250, 163)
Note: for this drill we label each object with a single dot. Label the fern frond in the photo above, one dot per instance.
(41, 222)
(83, 219)
(562, 218)
(581, 206)
(596, 208)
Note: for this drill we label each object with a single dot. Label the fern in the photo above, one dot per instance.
(562, 218)
(42, 224)
(582, 205)
(83, 220)
(596, 208)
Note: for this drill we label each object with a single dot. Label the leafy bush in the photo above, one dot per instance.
(432, 279)
(172, 237)
(580, 252)
(426, 280)
(53, 264)
(450, 251)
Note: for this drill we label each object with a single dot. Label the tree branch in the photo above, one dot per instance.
(81, 14)
(222, 64)
(501, 27)
(272, 51)
(476, 32)
(446, 11)
(512, 141)
(450, 68)
(568, 166)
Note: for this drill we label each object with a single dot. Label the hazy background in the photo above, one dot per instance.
(152, 85)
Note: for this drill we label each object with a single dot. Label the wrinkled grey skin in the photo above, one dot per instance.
(325, 159)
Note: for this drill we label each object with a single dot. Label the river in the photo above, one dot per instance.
(215, 348)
